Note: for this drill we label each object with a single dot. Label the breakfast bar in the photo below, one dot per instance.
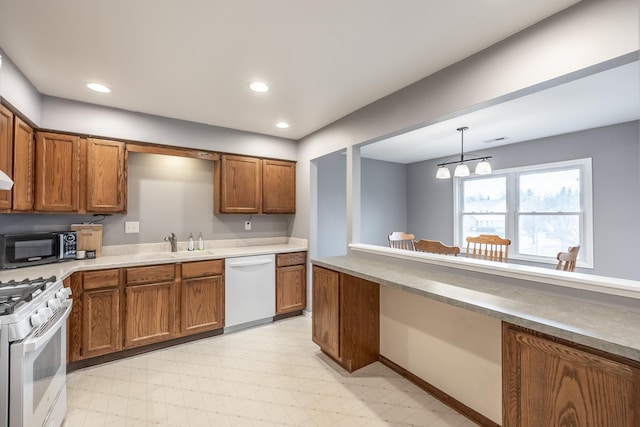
(482, 336)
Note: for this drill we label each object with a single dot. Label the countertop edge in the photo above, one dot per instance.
(575, 334)
(62, 270)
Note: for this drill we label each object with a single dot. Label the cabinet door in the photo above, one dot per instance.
(547, 382)
(100, 322)
(291, 289)
(6, 153)
(57, 172)
(105, 176)
(202, 304)
(149, 313)
(23, 161)
(278, 186)
(239, 185)
(326, 310)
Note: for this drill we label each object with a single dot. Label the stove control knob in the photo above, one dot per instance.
(54, 303)
(38, 319)
(63, 293)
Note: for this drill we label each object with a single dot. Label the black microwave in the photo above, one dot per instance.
(24, 250)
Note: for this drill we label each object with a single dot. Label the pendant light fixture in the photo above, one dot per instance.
(482, 168)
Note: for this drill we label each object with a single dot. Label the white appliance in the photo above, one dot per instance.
(250, 291)
(33, 352)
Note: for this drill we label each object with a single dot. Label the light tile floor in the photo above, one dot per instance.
(271, 375)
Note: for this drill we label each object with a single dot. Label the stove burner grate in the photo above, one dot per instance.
(13, 293)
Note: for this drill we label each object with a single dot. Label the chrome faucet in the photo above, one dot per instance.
(174, 242)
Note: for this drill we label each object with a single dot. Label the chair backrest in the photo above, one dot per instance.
(436, 247)
(489, 247)
(567, 260)
(401, 240)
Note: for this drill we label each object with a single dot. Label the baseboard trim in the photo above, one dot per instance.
(439, 394)
(287, 315)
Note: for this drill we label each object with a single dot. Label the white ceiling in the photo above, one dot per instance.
(193, 60)
(601, 99)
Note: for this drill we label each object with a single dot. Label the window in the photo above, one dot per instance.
(543, 209)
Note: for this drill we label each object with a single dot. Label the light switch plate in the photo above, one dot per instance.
(247, 225)
(132, 227)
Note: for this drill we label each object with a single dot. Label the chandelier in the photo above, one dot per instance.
(482, 168)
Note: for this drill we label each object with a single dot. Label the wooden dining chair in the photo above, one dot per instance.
(436, 247)
(567, 260)
(401, 240)
(490, 247)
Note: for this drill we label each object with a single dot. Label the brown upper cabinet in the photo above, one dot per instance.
(6, 152)
(79, 175)
(278, 186)
(249, 185)
(24, 150)
(106, 189)
(57, 172)
(17, 156)
(239, 185)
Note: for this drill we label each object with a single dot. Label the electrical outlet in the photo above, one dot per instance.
(247, 225)
(131, 227)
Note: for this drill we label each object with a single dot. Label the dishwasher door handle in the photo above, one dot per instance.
(249, 263)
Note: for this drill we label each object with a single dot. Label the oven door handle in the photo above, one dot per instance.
(36, 341)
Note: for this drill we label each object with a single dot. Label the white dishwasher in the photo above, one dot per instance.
(250, 291)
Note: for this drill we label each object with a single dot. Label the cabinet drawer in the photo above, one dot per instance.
(202, 268)
(150, 274)
(294, 258)
(101, 279)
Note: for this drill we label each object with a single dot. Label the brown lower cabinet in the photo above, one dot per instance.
(291, 282)
(125, 308)
(101, 332)
(94, 327)
(202, 296)
(547, 381)
(150, 304)
(149, 314)
(346, 318)
(552, 382)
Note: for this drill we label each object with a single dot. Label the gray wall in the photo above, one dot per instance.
(332, 204)
(72, 116)
(166, 194)
(384, 200)
(585, 35)
(15, 88)
(616, 196)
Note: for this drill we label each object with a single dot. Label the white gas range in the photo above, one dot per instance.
(33, 352)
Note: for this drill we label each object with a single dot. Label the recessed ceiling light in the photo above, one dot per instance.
(282, 125)
(259, 87)
(98, 87)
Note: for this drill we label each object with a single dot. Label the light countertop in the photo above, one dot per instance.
(607, 322)
(150, 254)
